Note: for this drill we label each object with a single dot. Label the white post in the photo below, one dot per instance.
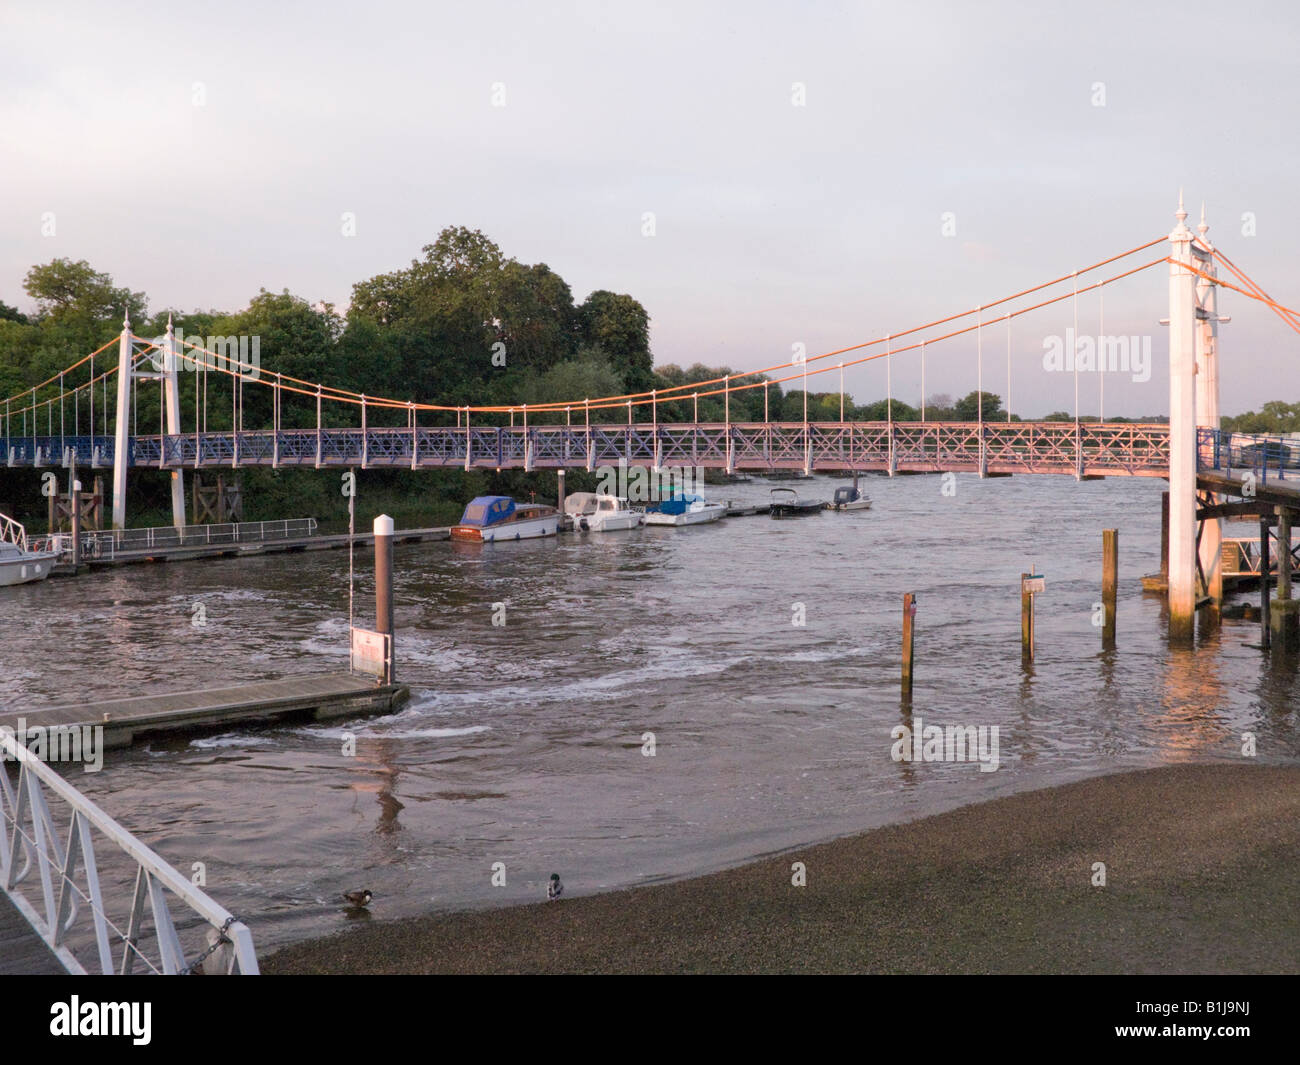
(1182, 431)
(383, 528)
(172, 397)
(122, 433)
(1207, 400)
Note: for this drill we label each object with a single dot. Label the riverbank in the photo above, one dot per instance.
(1200, 878)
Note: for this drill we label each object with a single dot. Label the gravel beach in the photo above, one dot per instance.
(1200, 861)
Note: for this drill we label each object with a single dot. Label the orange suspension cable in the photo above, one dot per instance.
(1235, 288)
(1245, 279)
(865, 343)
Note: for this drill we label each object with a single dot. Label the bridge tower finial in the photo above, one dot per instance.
(1180, 231)
(1204, 226)
(126, 318)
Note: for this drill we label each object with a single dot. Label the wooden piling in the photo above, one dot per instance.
(1109, 585)
(1264, 565)
(1284, 553)
(1283, 614)
(53, 500)
(76, 524)
(1026, 621)
(559, 502)
(384, 588)
(909, 612)
(1164, 538)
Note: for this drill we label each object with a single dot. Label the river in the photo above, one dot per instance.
(524, 742)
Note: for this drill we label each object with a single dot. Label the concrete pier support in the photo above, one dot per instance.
(1207, 401)
(172, 403)
(122, 427)
(1182, 432)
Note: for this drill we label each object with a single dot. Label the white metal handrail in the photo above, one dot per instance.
(107, 543)
(30, 839)
(13, 532)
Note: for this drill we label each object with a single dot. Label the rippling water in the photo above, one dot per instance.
(523, 742)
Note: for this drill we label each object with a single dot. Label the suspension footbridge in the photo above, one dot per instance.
(69, 421)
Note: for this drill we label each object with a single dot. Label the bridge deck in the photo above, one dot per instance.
(22, 951)
(320, 695)
(1091, 448)
(1283, 493)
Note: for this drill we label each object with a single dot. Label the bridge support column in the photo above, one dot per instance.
(172, 401)
(122, 427)
(1182, 432)
(1207, 404)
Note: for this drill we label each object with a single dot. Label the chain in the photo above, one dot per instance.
(221, 938)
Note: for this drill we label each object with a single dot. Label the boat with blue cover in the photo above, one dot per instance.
(684, 510)
(491, 519)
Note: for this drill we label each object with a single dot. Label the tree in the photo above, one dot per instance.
(621, 326)
(11, 314)
(881, 410)
(293, 338)
(534, 315)
(468, 324)
(63, 289)
(967, 409)
(588, 375)
(1276, 416)
(939, 408)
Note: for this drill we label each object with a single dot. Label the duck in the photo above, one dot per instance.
(359, 899)
(554, 889)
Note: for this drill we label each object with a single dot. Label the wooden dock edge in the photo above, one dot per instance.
(383, 699)
(132, 726)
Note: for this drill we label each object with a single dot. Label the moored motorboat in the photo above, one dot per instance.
(787, 504)
(849, 497)
(490, 519)
(601, 513)
(684, 510)
(18, 563)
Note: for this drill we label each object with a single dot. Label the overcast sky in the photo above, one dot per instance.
(774, 223)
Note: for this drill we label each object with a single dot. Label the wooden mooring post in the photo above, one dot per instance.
(76, 524)
(1109, 585)
(909, 612)
(1264, 565)
(1164, 539)
(1284, 616)
(1026, 620)
(1030, 583)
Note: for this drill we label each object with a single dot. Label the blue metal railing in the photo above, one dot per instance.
(1268, 456)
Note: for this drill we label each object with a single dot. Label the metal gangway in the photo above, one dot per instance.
(74, 897)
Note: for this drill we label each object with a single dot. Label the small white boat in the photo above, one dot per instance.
(601, 513)
(492, 519)
(684, 510)
(849, 497)
(19, 564)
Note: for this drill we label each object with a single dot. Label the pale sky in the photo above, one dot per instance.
(775, 224)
